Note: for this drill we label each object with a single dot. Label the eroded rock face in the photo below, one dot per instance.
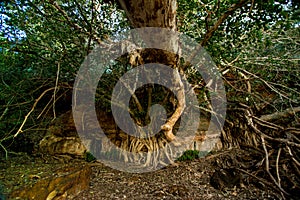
(62, 138)
(65, 183)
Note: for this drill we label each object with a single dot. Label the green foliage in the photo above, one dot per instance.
(41, 42)
(189, 155)
(260, 38)
(89, 157)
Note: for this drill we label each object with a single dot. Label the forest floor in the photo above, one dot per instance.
(181, 180)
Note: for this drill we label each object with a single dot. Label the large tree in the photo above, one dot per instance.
(43, 43)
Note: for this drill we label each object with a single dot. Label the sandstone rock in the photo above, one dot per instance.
(65, 183)
(62, 137)
(55, 145)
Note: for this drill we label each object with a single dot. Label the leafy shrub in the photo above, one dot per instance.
(89, 157)
(189, 155)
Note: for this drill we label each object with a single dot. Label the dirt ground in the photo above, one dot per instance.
(182, 180)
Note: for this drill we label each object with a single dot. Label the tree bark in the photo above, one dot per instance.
(151, 13)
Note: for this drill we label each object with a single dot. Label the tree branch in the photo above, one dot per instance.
(274, 116)
(32, 109)
(229, 12)
(75, 25)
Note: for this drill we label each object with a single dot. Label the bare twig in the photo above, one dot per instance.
(293, 158)
(47, 107)
(132, 92)
(265, 82)
(259, 179)
(267, 124)
(286, 141)
(268, 167)
(75, 25)
(5, 150)
(32, 109)
(277, 166)
(55, 90)
(6, 109)
(229, 12)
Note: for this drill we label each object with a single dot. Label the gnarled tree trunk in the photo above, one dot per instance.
(159, 13)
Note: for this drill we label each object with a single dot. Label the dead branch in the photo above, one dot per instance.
(273, 163)
(32, 109)
(278, 115)
(268, 168)
(268, 84)
(259, 179)
(267, 124)
(277, 166)
(293, 158)
(55, 90)
(5, 150)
